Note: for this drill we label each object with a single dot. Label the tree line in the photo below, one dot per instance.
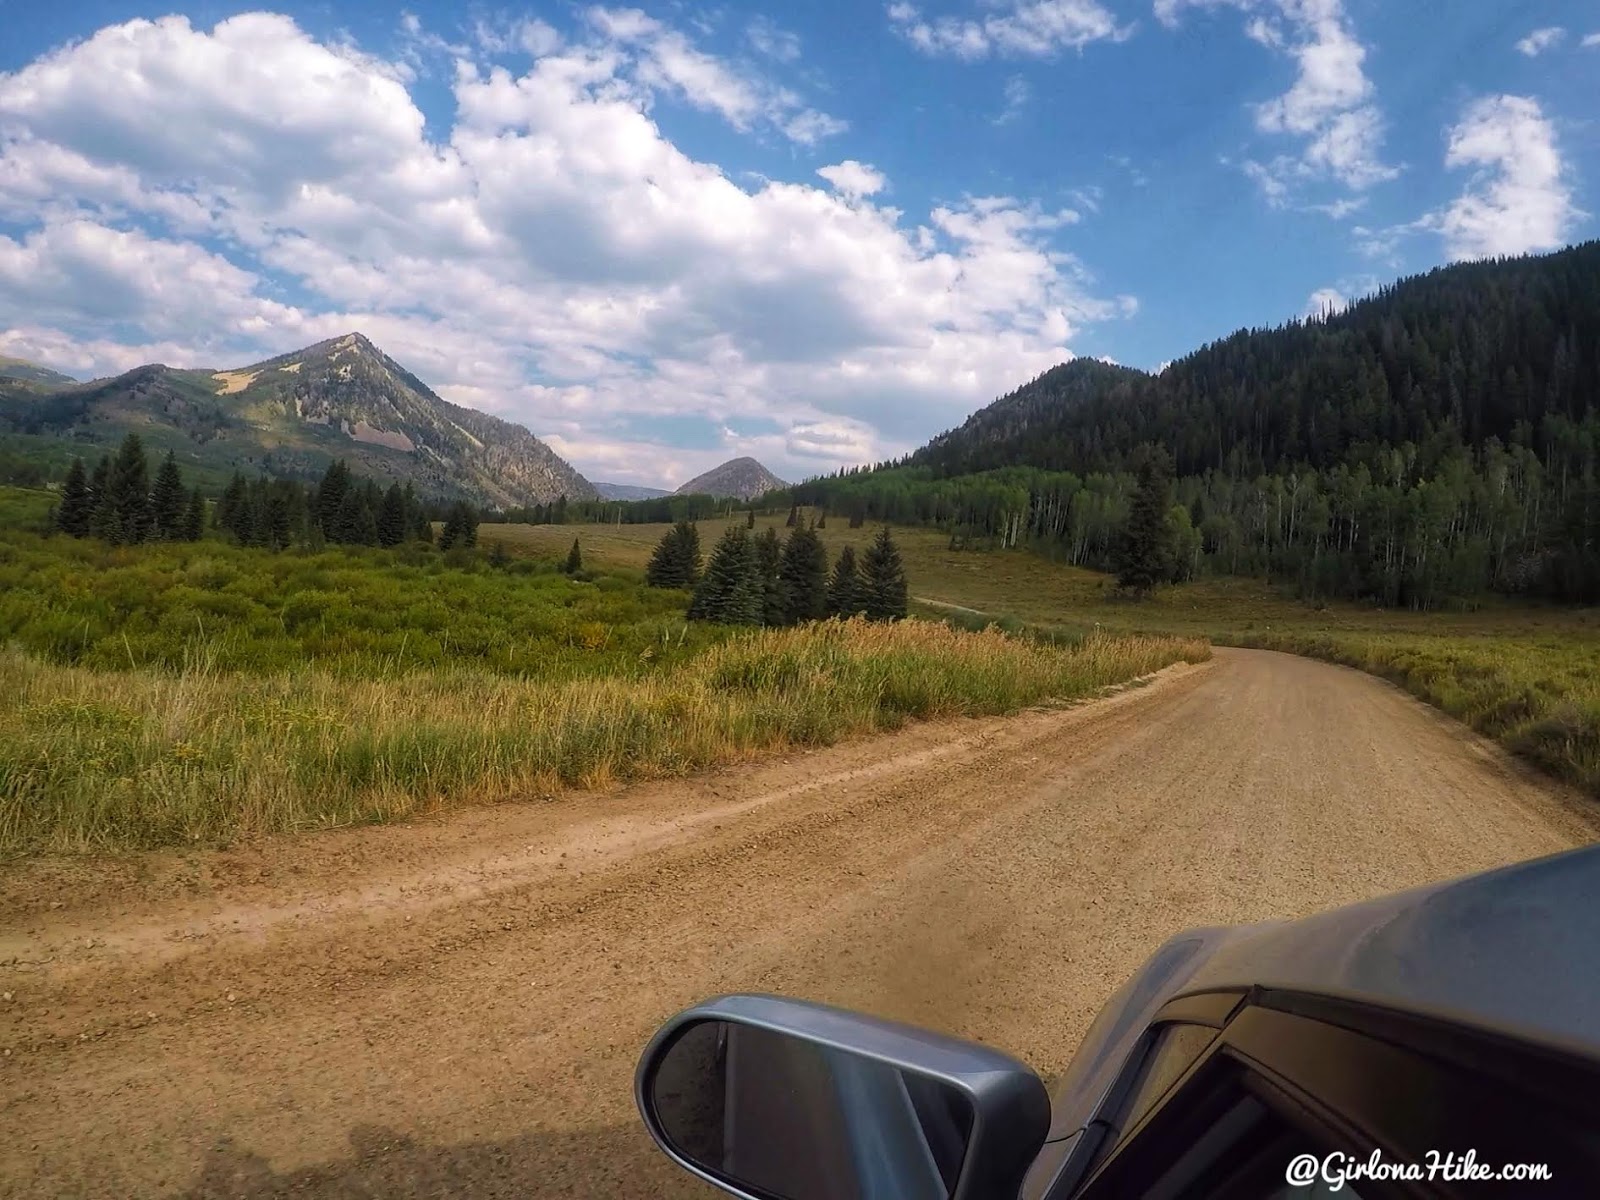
(118, 501)
(659, 510)
(753, 579)
(121, 503)
(1435, 442)
(341, 508)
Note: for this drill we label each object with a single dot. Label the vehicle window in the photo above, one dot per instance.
(1175, 1050)
(1244, 1155)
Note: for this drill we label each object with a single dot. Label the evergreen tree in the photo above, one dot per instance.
(804, 572)
(498, 556)
(794, 517)
(417, 517)
(846, 595)
(350, 522)
(391, 525)
(328, 508)
(168, 500)
(128, 488)
(454, 532)
(730, 590)
(193, 526)
(574, 563)
(676, 560)
(77, 502)
(883, 582)
(750, 519)
(1145, 558)
(233, 510)
(366, 528)
(769, 556)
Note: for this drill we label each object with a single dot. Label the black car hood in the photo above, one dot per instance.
(1516, 949)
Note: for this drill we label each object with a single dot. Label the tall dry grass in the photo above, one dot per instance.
(93, 760)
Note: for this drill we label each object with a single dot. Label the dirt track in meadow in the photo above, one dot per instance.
(455, 1008)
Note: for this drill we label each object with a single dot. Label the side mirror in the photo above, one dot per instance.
(774, 1099)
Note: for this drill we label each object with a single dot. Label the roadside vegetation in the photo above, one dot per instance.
(174, 693)
(1523, 673)
(106, 760)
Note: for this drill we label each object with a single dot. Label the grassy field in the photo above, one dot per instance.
(170, 694)
(1527, 675)
(106, 760)
(175, 694)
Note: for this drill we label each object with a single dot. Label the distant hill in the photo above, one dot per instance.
(628, 491)
(1464, 353)
(1006, 432)
(1436, 440)
(20, 370)
(290, 416)
(741, 478)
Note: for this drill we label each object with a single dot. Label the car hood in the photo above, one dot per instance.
(1516, 949)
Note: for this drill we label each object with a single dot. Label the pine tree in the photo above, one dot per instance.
(348, 525)
(128, 489)
(366, 526)
(168, 499)
(750, 519)
(794, 517)
(769, 557)
(574, 563)
(661, 570)
(1145, 559)
(392, 517)
(77, 502)
(804, 572)
(233, 510)
(846, 596)
(327, 508)
(498, 556)
(729, 591)
(676, 560)
(454, 532)
(193, 526)
(883, 579)
(103, 522)
(691, 564)
(417, 522)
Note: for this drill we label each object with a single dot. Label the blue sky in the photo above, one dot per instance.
(661, 236)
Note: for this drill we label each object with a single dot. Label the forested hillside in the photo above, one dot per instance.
(1435, 441)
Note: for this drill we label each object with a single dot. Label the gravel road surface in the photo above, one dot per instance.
(454, 1008)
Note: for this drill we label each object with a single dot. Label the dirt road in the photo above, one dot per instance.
(455, 1008)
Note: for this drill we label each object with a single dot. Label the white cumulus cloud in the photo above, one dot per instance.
(854, 179)
(1013, 29)
(1331, 105)
(550, 255)
(1540, 40)
(1326, 302)
(1519, 199)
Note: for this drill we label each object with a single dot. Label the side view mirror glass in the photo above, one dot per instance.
(772, 1098)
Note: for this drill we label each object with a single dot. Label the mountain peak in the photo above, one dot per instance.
(744, 478)
(342, 398)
